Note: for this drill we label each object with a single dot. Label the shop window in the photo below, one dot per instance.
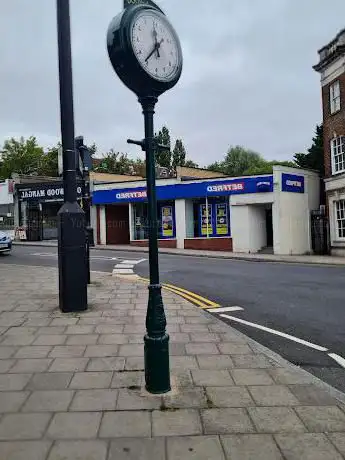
(166, 220)
(211, 218)
(340, 218)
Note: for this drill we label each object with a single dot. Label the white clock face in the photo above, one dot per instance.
(155, 46)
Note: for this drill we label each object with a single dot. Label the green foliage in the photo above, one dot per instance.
(115, 163)
(238, 160)
(163, 156)
(191, 164)
(179, 154)
(21, 157)
(314, 159)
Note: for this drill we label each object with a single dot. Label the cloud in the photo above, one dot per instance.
(247, 77)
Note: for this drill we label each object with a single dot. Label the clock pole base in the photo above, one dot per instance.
(157, 373)
(156, 350)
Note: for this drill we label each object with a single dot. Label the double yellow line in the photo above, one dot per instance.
(196, 299)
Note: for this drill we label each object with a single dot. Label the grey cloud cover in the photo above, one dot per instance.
(247, 78)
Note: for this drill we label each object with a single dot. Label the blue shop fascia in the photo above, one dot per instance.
(204, 213)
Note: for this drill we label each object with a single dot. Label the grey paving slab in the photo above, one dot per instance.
(134, 363)
(233, 348)
(26, 450)
(91, 380)
(31, 365)
(322, 418)
(11, 401)
(308, 446)
(68, 364)
(82, 339)
(113, 339)
(7, 352)
(203, 377)
(338, 439)
(215, 362)
(273, 395)
(48, 401)
(290, 376)
(252, 361)
(312, 395)
(50, 340)
(67, 351)
(204, 337)
(183, 362)
(224, 421)
(126, 424)
(23, 426)
(137, 449)
(136, 399)
(194, 448)
(276, 420)
(97, 351)
(74, 425)
(13, 381)
(79, 450)
(50, 381)
(231, 396)
(5, 365)
(251, 447)
(251, 377)
(39, 351)
(186, 398)
(94, 400)
(203, 348)
(176, 422)
(106, 364)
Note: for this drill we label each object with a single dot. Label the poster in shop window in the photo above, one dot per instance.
(206, 220)
(167, 222)
(222, 227)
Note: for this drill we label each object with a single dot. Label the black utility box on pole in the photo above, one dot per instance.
(71, 218)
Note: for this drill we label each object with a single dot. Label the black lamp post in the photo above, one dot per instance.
(71, 218)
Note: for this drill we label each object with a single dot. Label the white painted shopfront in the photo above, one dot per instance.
(242, 214)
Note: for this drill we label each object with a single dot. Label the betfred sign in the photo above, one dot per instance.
(292, 183)
(131, 195)
(230, 187)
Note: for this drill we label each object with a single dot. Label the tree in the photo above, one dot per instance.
(23, 156)
(314, 159)
(163, 156)
(179, 154)
(238, 160)
(267, 167)
(49, 162)
(115, 163)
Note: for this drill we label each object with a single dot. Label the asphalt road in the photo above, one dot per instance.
(304, 301)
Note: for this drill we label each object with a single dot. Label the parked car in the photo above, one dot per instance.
(5, 243)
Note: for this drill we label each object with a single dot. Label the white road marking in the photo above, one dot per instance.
(339, 359)
(274, 332)
(134, 262)
(224, 309)
(124, 266)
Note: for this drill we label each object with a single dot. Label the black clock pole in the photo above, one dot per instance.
(71, 218)
(157, 371)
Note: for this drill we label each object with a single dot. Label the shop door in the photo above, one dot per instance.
(269, 227)
(117, 224)
(34, 226)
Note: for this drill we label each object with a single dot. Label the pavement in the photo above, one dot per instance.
(274, 299)
(294, 259)
(72, 385)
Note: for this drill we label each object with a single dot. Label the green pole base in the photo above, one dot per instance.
(157, 371)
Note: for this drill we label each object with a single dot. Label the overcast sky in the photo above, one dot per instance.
(247, 77)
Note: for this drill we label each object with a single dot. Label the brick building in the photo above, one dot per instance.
(331, 67)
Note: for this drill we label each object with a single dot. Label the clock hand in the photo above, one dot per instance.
(155, 49)
(154, 33)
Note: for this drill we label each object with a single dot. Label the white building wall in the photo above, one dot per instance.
(180, 222)
(291, 213)
(102, 225)
(5, 196)
(239, 218)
